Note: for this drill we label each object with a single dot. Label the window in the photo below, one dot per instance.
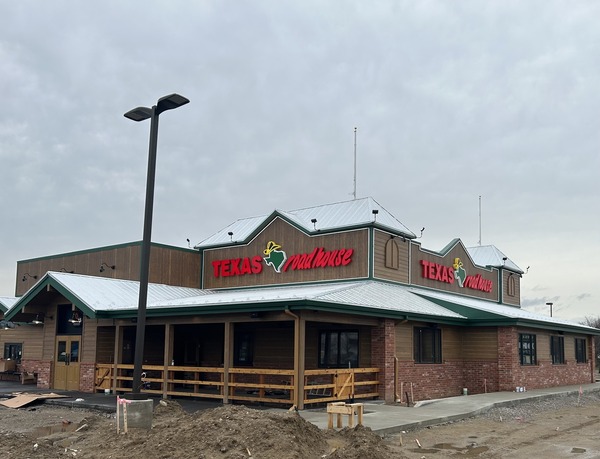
(510, 287)
(243, 354)
(557, 349)
(427, 345)
(338, 349)
(13, 351)
(527, 352)
(580, 350)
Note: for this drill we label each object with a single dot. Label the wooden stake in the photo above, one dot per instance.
(118, 416)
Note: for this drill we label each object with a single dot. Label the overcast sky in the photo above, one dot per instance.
(452, 99)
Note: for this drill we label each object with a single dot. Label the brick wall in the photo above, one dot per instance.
(383, 349)
(41, 367)
(87, 374)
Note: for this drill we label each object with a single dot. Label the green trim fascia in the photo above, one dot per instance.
(104, 248)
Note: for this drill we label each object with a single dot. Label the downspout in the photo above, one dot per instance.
(298, 386)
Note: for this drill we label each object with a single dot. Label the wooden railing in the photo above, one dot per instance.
(242, 384)
(323, 386)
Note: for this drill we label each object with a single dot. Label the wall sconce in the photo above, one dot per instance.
(28, 276)
(103, 267)
(39, 319)
(63, 270)
(75, 317)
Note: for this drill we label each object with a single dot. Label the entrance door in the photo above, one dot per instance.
(66, 364)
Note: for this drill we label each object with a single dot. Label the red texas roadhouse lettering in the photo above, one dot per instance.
(319, 258)
(237, 266)
(437, 272)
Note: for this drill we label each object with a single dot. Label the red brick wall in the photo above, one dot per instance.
(41, 367)
(512, 374)
(87, 374)
(383, 349)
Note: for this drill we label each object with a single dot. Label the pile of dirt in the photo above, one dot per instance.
(228, 432)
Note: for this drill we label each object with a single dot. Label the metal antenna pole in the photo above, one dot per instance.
(480, 220)
(354, 194)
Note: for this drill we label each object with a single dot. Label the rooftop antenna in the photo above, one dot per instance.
(354, 193)
(480, 220)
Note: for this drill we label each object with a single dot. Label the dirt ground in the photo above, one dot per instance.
(563, 427)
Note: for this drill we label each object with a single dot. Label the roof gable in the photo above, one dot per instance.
(327, 218)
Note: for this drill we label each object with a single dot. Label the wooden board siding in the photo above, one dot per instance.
(399, 274)
(168, 265)
(457, 343)
(105, 344)
(89, 340)
(404, 341)
(292, 241)
(30, 337)
(458, 251)
(507, 278)
(480, 343)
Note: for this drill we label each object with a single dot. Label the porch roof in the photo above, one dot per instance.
(6, 302)
(482, 312)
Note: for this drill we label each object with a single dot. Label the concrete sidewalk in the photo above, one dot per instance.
(381, 418)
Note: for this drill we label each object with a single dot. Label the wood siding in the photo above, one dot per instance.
(292, 241)
(381, 271)
(508, 298)
(168, 265)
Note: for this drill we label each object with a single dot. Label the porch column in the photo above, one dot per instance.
(227, 358)
(117, 356)
(383, 351)
(299, 358)
(167, 357)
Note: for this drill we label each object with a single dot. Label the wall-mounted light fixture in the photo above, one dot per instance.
(39, 319)
(75, 317)
(63, 270)
(28, 276)
(104, 266)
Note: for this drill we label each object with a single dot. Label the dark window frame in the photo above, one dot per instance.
(557, 349)
(13, 351)
(527, 349)
(581, 350)
(427, 345)
(333, 354)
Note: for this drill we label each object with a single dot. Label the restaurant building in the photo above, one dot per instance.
(333, 302)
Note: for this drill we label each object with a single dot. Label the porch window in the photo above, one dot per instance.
(338, 349)
(427, 345)
(527, 351)
(13, 351)
(580, 350)
(243, 354)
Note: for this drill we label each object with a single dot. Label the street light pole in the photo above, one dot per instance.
(139, 114)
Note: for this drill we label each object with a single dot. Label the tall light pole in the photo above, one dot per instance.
(550, 304)
(140, 114)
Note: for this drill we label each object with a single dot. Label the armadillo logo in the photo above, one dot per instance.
(274, 256)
